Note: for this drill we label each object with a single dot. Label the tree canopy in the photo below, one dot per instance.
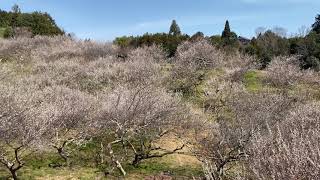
(316, 25)
(38, 23)
(174, 29)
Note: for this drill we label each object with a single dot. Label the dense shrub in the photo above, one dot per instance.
(168, 42)
(283, 71)
(290, 148)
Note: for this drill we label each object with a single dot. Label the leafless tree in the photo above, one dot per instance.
(284, 72)
(260, 30)
(58, 91)
(21, 127)
(239, 116)
(290, 149)
(135, 118)
(303, 31)
(280, 31)
(70, 112)
(198, 55)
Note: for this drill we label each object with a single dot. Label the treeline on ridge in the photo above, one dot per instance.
(265, 46)
(16, 23)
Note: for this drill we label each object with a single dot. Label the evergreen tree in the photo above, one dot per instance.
(197, 36)
(229, 39)
(15, 14)
(309, 49)
(37, 23)
(174, 29)
(316, 25)
(226, 32)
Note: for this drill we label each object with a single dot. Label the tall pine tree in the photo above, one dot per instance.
(174, 29)
(229, 39)
(226, 33)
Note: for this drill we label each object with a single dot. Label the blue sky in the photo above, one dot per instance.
(106, 19)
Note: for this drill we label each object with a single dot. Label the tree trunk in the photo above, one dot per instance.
(137, 159)
(62, 153)
(219, 173)
(13, 168)
(113, 158)
(102, 155)
(14, 174)
(119, 166)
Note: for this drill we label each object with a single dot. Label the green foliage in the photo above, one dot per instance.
(250, 49)
(16, 12)
(295, 44)
(2, 32)
(268, 45)
(265, 47)
(174, 29)
(8, 32)
(309, 48)
(4, 19)
(311, 62)
(123, 41)
(197, 36)
(188, 84)
(168, 42)
(226, 33)
(215, 40)
(153, 167)
(84, 158)
(39, 23)
(316, 25)
(253, 81)
(229, 39)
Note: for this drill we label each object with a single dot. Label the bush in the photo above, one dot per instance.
(8, 32)
(284, 72)
(289, 148)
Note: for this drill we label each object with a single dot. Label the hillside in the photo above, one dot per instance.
(157, 106)
(76, 109)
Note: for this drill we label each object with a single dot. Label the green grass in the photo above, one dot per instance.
(253, 80)
(198, 92)
(2, 30)
(147, 168)
(166, 165)
(27, 173)
(84, 167)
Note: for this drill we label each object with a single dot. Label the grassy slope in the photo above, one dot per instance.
(253, 80)
(178, 165)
